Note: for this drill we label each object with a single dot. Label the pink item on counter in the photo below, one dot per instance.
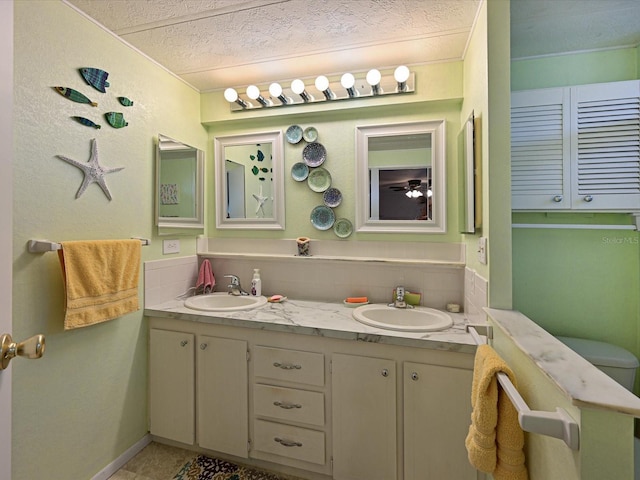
(206, 280)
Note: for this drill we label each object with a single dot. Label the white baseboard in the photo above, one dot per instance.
(118, 463)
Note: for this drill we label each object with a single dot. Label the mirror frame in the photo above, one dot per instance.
(468, 169)
(277, 222)
(364, 223)
(196, 222)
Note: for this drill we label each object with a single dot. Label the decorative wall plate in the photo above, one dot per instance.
(332, 197)
(310, 134)
(299, 171)
(319, 179)
(342, 228)
(314, 154)
(294, 134)
(322, 217)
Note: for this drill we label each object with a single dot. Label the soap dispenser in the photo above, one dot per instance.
(256, 283)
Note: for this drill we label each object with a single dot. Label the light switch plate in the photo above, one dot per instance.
(482, 250)
(170, 246)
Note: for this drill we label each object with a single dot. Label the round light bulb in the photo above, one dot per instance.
(347, 80)
(322, 83)
(253, 92)
(401, 74)
(275, 90)
(230, 95)
(297, 86)
(373, 77)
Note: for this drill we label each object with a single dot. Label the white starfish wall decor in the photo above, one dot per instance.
(93, 171)
(260, 198)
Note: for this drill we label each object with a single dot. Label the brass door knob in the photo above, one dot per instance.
(30, 348)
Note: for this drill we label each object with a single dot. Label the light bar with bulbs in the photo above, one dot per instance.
(372, 84)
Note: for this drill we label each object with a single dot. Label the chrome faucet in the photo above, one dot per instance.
(234, 287)
(399, 301)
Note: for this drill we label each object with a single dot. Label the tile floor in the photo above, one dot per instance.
(154, 462)
(159, 462)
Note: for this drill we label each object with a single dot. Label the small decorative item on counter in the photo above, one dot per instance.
(116, 119)
(276, 299)
(453, 308)
(353, 302)
(74, 95)
(125, 102)
(256, 283)
(303, 246)
(86, 122)
(96, 78)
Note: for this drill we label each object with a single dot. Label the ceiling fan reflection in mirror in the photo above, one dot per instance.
(414, 188)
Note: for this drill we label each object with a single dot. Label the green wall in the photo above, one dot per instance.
(85, 402)
(583, 283)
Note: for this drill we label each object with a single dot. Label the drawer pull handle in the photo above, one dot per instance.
(184, 343)
(287, 443)
(557, 198)
(414, 376)
(287, 366)
(588, 198)
(287, 406)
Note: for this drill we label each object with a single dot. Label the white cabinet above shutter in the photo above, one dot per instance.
(540, 174)
(605, 157)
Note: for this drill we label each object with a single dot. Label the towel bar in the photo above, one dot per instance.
(41, 246)
(558, 424)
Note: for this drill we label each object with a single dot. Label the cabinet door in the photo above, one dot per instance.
(437, 414)
(605, 157)
(364, 418)
(171, 385)
(223, 411)
(540, 149)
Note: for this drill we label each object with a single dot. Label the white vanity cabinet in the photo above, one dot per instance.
(222, 399)
(289, 407)
(364, 418)
(311, 406)
(437, 413)
(172, 385)
(576, 148)
(223, 412)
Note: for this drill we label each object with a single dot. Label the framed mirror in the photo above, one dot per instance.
(250, 181)
(467, 177)
(400, 178)
(179, 185)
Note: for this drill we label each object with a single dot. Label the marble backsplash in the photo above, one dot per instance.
(335, 271)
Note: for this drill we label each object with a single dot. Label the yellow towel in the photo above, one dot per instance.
(495, 441)
(101, 280)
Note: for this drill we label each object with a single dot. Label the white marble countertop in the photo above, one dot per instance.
(583, 383)
(331, 320)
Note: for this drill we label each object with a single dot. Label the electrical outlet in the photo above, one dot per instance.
(170, 246)
(482, 250)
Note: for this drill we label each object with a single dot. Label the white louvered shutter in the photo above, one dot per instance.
(540, 173)
(605, 159)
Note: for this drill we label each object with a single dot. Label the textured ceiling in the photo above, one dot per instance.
(543, 27)
(213, 44)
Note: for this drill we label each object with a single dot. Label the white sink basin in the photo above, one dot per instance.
(223, 302)
(418, 319)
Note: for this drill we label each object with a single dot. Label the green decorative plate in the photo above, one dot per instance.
(319, 179)
(342, 228)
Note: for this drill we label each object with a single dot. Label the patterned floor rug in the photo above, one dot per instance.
(205, 468)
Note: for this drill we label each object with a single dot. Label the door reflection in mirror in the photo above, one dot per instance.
(249, 177)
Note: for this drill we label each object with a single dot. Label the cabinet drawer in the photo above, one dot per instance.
(289, 365)
(291, 442)
(289, 404)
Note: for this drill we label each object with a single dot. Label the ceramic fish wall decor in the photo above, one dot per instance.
(116, 119)
(124, 101)
(74, 95)
(96, 78)
(86, 121)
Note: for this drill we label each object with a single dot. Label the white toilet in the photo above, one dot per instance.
(618, 363)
